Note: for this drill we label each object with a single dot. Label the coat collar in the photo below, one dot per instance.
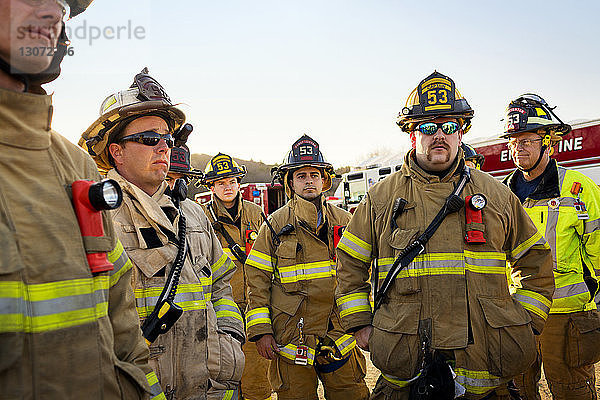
(149, 206)
(25, 120)
(221, 211)
(307, 212)
(548, 188)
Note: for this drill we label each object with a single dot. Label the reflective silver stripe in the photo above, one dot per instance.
(570, 290)
(478, 382)
(345, 344)
(352, 304)
(225, 307)
(58, 305)
(254, 259)
(591, 226)
(304, 273)
(354, 247)
(156, 392)
(529, 300)
(423, 267)
(220, 270)
(119, 263)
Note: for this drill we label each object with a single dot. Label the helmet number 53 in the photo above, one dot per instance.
(305, 150)
(439, 96)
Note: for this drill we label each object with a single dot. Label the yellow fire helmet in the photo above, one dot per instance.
(304, 153)
(143, 98)
(220, 167)
(435, 96)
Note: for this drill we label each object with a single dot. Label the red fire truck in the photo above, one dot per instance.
(579, 150)
(268, 197)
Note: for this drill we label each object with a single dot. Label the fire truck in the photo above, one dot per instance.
(578, 150)
(355, 184)
(269, 197)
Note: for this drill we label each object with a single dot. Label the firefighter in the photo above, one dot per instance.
(65, 332)
(200, 357)
(445, 323)
(565, 206)
(473, 159)
(180, 167)
(236, 222)
(291, 312)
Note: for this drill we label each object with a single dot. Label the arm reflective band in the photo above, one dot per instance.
(260, 260)
(353, 303)
(227, 308)
(524, 247)
(355, 247)
(534, 302)
(156, 392)
(478, 382)
(260, 315)
(222, 265)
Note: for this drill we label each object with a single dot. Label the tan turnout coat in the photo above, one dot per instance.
(460, 287)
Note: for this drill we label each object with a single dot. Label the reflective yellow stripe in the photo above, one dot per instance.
(521, 249)
(222, 265)
(121, 263)
(306, 271)
(398, 382)
(355, 246)
(345, 344)
(156, 392)
(227, 308)
(478, 382)
(260, 315)
(353, 303)
(50, 306)
(189, 296)
(534, 302)
(289, 351)
(260, 260)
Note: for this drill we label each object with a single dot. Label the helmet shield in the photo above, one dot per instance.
(222, 166)
(531, 113)
(435, 96)
(181, 163)
(304, 153)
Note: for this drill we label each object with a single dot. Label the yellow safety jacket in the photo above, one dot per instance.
(64, 333)
(249, 219)
(565, 207)
(456, 287)
(295, 279)
(198, 358)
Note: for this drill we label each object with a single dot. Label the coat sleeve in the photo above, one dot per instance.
(229, 317)
(129, 345)
(259, 267)
(531, 261)
(354, 255)
(590, 237)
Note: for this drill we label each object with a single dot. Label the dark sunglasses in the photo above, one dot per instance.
(430, 128)
(149, 138)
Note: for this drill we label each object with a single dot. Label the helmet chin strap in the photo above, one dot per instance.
(545, 144)
(4, 66)
(48, 75)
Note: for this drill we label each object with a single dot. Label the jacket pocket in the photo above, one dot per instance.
(583, 339)
(225, 358)
(406, 282)
(285, 315)
(394, 342)
(511, 345)
(287, 267)
(132, 381)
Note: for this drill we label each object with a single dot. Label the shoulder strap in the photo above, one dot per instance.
(235, 248)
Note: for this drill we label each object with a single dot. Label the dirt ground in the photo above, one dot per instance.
(373, 374)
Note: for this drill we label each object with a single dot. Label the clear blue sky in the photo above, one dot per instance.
(256, 75)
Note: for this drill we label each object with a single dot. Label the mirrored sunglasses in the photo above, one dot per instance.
(430, 128)
(149, 138)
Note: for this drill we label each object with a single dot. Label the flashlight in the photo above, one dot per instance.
(89, 200)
